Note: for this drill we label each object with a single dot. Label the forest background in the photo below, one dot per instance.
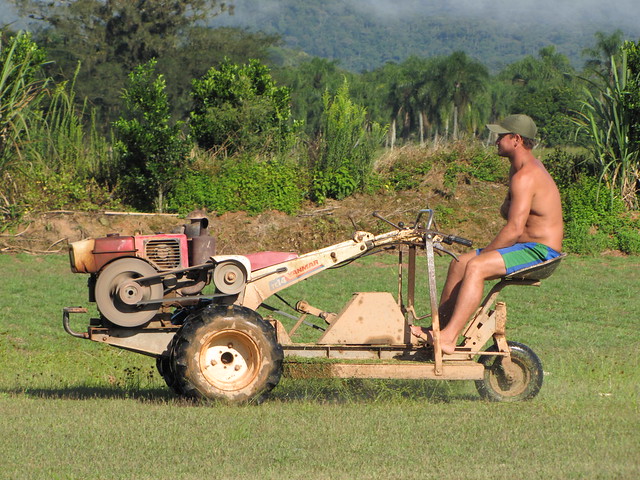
(255, 106)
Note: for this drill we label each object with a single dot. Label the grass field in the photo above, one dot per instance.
(72, 409)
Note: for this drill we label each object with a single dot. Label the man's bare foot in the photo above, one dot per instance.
(426, 335)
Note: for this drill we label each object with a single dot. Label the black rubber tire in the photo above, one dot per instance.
(226, 353)
(527, 375)
(164, 364)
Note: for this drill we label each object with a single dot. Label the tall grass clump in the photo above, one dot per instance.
(22, 86)
(50, 156)
(346, 148)
(70, 164)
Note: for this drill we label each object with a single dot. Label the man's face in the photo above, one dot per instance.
(505, 143)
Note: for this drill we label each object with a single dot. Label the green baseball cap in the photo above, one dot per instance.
(521, 124)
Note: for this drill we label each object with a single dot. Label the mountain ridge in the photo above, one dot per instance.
(360, 39)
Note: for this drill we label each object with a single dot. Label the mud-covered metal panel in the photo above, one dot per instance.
(371, 318)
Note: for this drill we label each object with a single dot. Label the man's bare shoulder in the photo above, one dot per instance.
(532, 171)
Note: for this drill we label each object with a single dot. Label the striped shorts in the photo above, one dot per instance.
(524, 255)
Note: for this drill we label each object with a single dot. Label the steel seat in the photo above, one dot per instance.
(537, 272)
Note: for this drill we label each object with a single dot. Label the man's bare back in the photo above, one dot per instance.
(544, 222)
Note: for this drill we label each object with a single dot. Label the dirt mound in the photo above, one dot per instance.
(469, 212)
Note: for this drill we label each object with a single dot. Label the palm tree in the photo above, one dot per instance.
(607, 46)
(462, 80)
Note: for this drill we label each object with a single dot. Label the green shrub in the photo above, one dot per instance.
(154, 152)
(628, 239)
(406, 173)
(585, 202)
(583, 239)
(594, 222)
(244, 183)
(565, 167)
(239, 108)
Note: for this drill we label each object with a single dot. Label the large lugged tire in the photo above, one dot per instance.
(524, 381)
(226, 353)
(165, 366)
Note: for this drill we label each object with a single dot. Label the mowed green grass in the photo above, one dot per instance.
(72, 409)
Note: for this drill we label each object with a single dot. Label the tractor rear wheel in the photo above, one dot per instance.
(164, 364)
(226, 353)
(519, 380)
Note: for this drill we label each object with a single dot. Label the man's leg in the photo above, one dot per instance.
(451, 288)
(449, 294)
(483, 267)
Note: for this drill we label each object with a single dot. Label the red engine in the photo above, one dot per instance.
(131, 276)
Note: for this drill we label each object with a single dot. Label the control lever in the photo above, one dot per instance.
(397, 227)
(438, 246)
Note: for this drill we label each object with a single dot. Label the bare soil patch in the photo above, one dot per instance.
(471, 212)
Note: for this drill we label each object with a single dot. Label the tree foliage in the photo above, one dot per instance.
(599, 56)
(308, 82)
(545, 88)
(434, 96)
(239, 107)
(110, 38)
(154, 153)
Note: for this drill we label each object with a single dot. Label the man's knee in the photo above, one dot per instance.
(486, 266)
(461, 263)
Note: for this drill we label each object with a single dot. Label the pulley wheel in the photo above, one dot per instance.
(230, 277)
(117, 292)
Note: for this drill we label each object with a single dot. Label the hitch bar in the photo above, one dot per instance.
(65, 321)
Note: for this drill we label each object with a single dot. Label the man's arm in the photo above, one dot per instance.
(521, 193)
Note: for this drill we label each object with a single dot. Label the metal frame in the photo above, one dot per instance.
(391, 352)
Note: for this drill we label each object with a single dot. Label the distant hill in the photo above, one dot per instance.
(365, 34)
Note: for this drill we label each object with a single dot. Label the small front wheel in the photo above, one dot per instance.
(521, 379)
(228, 353)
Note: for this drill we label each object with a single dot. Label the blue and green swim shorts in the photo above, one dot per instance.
(524, 255)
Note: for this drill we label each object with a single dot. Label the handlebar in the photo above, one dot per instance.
(449, 239)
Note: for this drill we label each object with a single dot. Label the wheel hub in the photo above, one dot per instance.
(229, 360)
(510, 379)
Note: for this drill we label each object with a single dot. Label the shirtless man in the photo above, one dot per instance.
(533, 232)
